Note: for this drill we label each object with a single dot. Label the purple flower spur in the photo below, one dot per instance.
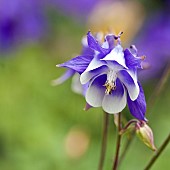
(111, 76)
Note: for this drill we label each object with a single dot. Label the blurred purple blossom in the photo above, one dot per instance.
(21, 21)
(155, 41)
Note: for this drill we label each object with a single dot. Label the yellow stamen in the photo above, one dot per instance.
(109, 87)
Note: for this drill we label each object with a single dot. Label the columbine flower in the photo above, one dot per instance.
(111, 75)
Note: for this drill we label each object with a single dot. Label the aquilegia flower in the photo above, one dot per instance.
(111, 75)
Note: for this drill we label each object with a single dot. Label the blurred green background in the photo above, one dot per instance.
(39, 123)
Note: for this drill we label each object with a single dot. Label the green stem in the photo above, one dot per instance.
(116, 160)
(124, 129)
(104, 140)
(160, 150)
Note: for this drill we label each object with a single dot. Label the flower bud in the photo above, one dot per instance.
(144, 132)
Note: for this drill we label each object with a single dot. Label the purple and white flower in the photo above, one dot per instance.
(111, 75)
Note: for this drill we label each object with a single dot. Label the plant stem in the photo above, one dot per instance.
(123, 130)
(160, 150)
(115, 165)
(104, 140)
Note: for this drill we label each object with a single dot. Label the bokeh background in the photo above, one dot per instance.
(43, 127)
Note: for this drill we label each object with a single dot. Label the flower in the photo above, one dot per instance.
(155, 43)
(21, 21)
(111, 75)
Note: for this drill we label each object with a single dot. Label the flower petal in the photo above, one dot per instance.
(69, 73)
(138, 107)
(116, 101)
(131, 60)
(116, 55)
(96, 91)
(87, 107)
(93, 44)
(86, 50)
(88, 75)
(130, 81)
(76, 86)
(113, 65)
(109, 41)
(78, 64)
(95, 63)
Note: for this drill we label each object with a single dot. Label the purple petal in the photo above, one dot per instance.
(69, 73)
(109, 42)
(93, 44)
(116, 101)
(138, 107)
(86, 50)
(87, 107)
(79, 64)
(131, 60)
(130, 82)
(96, 91)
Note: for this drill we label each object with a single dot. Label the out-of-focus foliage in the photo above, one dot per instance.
(38, 122)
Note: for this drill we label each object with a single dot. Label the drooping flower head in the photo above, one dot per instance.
(111, 75)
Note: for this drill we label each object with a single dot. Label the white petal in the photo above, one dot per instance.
(114, 66)
(105, 45)
(76, 86)
(116, 55)
(129, 79)
(84, 41)
(88, 75)
(96, 91)
(114, 103)
(95, 63)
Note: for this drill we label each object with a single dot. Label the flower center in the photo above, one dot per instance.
(110, 83)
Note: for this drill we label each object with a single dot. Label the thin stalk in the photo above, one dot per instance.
(123, 130)
(160, 150)
(116, 160)
(104, 140)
